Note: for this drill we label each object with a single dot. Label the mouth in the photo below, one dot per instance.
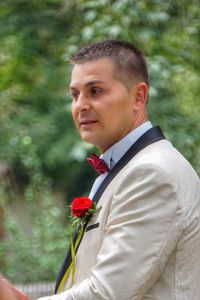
(87, 122)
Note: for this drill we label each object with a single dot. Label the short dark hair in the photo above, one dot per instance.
(128, 59)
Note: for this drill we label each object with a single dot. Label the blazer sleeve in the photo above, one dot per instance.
(141, 233)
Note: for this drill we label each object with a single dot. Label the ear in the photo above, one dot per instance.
(141, 95)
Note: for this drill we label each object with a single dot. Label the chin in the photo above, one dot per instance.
(88, 139)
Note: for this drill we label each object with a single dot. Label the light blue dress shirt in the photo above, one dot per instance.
(116, 151)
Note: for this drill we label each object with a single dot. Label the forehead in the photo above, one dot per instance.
(98, 70)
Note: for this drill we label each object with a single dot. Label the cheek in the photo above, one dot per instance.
(120, 116)
(74, 114)
(73, 111)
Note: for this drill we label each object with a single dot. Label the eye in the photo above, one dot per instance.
(74, 95)
(96, 90)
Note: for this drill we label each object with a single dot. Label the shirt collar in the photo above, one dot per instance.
(116, 151)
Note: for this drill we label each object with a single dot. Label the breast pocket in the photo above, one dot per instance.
(91, 227)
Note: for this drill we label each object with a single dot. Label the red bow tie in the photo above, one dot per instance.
(97, 163)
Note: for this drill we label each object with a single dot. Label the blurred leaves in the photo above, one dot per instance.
(37, 136)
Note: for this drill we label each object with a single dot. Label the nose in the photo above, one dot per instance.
(82, 103)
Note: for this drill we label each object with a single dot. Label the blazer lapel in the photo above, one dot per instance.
(151, 136)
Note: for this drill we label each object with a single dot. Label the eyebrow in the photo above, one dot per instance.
(92, 82)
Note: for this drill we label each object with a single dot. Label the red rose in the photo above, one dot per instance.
(80, 207)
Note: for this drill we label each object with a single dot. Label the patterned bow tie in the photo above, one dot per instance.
(97, 163)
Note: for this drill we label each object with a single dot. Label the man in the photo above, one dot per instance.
(144, 242)
(8, 292)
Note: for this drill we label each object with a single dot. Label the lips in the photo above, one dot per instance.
(87, 122)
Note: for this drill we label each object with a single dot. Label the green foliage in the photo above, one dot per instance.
(37, 135)
(38, 255)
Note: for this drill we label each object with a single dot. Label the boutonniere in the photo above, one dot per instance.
(82, 211)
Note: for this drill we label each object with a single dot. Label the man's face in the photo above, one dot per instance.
(102, 106)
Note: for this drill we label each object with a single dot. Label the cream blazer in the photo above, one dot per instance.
(144, 243)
